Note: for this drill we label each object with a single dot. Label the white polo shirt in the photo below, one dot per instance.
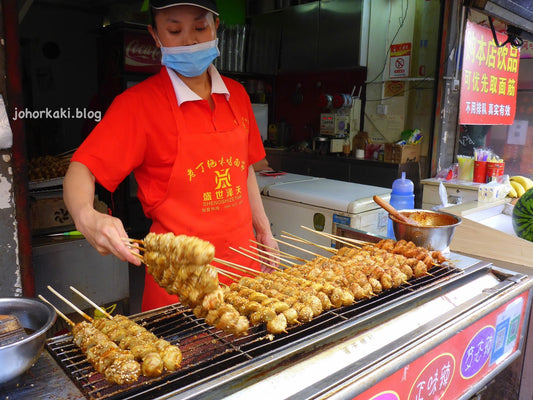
(184, 93)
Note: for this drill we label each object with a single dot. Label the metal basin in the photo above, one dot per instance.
(35, 317)
(434, 233)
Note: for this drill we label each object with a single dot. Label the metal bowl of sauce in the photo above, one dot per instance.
(432, 230)
(35, 319)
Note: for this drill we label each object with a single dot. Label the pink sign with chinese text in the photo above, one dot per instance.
(489, 78)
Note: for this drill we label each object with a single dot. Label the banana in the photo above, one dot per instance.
(522, 180)
(518, 187)
(512, 193)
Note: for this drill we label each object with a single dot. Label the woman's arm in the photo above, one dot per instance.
(102, 231)
(260, 220)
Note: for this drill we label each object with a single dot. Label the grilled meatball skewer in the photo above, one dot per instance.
(118, 366)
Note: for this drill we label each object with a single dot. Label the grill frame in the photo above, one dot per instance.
(239, 361)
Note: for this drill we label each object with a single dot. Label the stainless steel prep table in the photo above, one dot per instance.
(44, 380)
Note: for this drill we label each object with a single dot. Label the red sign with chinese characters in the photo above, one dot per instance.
(489, 78)
(454, 366)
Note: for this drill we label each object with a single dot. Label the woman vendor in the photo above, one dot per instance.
(190, 137)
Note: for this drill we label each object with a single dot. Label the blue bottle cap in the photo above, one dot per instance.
(403, 186)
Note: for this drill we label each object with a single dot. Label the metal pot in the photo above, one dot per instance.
(33, 315)
(434, 232)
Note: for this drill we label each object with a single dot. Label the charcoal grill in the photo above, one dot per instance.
(218, 365)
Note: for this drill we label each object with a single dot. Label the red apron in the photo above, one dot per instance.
(207, 197)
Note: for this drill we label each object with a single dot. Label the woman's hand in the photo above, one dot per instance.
(106, 234)
(270, 245)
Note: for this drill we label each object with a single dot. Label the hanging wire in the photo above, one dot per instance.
(512, 36)
(402, 22)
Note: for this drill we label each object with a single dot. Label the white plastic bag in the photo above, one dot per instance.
(443, 195)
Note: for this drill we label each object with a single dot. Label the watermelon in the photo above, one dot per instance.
(523, 216)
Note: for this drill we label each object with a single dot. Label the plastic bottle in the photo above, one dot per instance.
(401, 198)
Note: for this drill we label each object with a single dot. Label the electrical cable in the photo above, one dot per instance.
(421, 82)
(402, 22)
(512, 36)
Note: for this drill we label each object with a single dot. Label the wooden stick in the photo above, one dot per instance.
(67, 320)
(129, 243)
(351, 240)
(229, 272)
(130, 240)
(226, 274)
(84, 315)
(281, 252)
(331, 236)
(132, 246)
(278, 257)
(302, 240)
(91, 302)
(299, 240)
(139, 256)
(236, 266)
(264, 258)
(298, 248)
(252, 258)
(66, 153)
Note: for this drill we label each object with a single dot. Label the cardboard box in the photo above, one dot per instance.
(50, 214)
(400, 154)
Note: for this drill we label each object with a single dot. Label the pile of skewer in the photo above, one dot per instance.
(119, 348)
(297, 291)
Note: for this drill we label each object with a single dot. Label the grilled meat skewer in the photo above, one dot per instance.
(118, 366)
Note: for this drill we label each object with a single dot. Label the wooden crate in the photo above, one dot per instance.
(399, 154)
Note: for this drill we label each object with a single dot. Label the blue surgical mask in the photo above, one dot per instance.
(190, 60)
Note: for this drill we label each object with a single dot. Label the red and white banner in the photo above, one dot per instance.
(140, 53)
(489, 78)
(400, 60)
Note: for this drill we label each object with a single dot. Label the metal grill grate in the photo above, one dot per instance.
(207, 352)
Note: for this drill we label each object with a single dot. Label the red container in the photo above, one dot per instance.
(480, 171)
(494, 169)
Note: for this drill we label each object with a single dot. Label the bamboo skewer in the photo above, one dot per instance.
(67, 153)
(130, 240)
(131, 245)
(264, 258)
(339, 239)
(234, 274)
(67, 319)
(139, 256)
(298, 248)
(253, 258)
(83, 314)
(227, 274)
(91, 302)
(236, 266)
(279, 258)
(302, 240)
(135, 247)
(321, 247)
(281, 252)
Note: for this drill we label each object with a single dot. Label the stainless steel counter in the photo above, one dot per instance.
(368, 351)
(63, 262)
(44, 380)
